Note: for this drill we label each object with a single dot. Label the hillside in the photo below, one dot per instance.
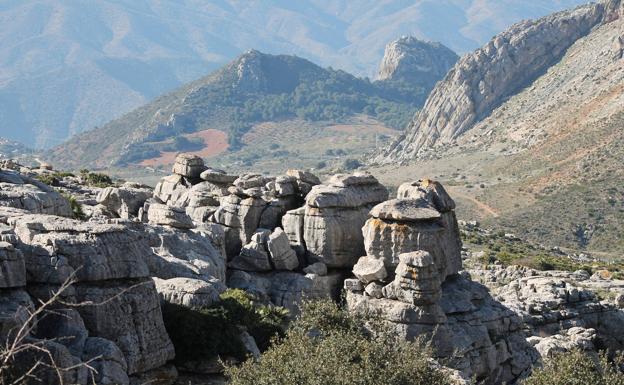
(542, 160)
(213, 113)
(66, 66)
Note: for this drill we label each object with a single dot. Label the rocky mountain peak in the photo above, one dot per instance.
(483, 80)
(409, 58)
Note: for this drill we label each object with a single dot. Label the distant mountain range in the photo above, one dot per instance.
(257, 88)
(68, 66)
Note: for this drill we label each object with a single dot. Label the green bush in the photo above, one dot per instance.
(215, 331)
(576, 368)
(327, 345)
(76, 207)
(96, 179)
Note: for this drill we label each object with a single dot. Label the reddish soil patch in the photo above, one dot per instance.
(215, 143)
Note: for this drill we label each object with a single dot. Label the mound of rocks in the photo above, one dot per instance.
(327, 228)
(410, 278)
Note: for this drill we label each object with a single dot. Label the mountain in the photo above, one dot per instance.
(12, 149)
(68, 66)
(529, 130)
(252, 89)
(415, 63)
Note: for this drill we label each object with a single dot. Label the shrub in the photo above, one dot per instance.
(204, 333)
(576, 368)
(351, 164)
(327, 345)
(76, 207)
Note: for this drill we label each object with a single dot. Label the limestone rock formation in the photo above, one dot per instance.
(329, 229)
(482, 80)
(188, 166)
(194, 293)
(415, 239)
(415, 61)
(22, 192)
(423, 219)
(126, 200)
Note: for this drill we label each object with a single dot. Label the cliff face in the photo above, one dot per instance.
(485, 79)
(414, 61)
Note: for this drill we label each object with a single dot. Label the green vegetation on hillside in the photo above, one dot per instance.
(577, 368)
(328, 345)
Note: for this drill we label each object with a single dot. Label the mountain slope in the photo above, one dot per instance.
(252, 89)
(546, 162)
(68, 66)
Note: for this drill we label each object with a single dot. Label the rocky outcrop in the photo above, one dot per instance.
(422, 219)
(484, 79)
(125, 201)
(193, 293)
(416, 62)
(552, 303)
(410, 279)
(23, 192)
(327, 229)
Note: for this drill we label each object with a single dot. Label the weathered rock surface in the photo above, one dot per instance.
(424, 221)
(22, 192)
(369, 269)
(55, 247)
(129, 315)
(160, 214)
(287, 289)
(189, 292)
(188, 166)
(125, 201)
(12, 268)
(415, 61)
(334, 214)
(481, 81)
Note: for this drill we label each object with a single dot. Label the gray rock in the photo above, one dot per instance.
(22, 192)
(282, 256)
(374, 290)
(254, 256)
(293, 222)
(171, 188)
(160, 214)
(189, 292)
(182, 253)
(64, 326)
(188, 165)
(247, 181)
(55, 247)
(125, 201)
(431, 191)
(107, 360)
(240, 218)
(217, 176)
(318, 268)
(482, 80)
(406, 210)
(416, 62)
(128, 314)
(353, 284)
(369, 269)
(12, 268)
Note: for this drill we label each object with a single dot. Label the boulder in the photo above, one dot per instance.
(22, 192)
(124, 201)
(217, 176)
(188, 165)
(254, 256)
(333, 216)
(160, 214)
(107, 360)
(282, 256)
(370, 269)
(128, 314)
(189, 292)
(12, 267)
(56, 247)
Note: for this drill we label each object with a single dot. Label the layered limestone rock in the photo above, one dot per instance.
(484, 79)
(551, 303)
(415, 61)
(22, 192)
(193, 293)
(188, 166)
(328, 228)
(285, 288)
(409, 277)
(125, 201)
(422, 219)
